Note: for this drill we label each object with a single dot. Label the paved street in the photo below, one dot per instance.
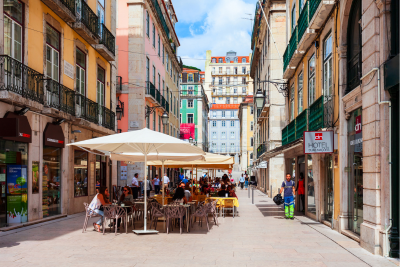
(258, 237)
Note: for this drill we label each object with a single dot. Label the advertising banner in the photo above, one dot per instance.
(318, 142)
(17, 208)
(187, 131)
(16, 179)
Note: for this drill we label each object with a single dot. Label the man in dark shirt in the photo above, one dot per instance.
(223, 191)
(289, 193)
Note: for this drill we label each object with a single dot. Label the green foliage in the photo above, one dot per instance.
(190, 67)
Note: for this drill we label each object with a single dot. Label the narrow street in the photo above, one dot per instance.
(258, 237)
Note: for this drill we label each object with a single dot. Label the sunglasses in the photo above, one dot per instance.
(125, 190)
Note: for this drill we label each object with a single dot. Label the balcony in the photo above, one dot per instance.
(265, 108)
(261, 149)
(106, 46)
(20, 79)
(316, 116)
(87, 23)
(291, 131)
(301, 123)
(157, 98)
(65, 9)
(86, 108)
(60, 97)
(319, 12)
(106, 118)
(225, 73)
(306, 35)
(160, 16)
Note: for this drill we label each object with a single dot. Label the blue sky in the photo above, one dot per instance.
(217, 25)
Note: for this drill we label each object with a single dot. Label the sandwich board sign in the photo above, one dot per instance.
(320, 142)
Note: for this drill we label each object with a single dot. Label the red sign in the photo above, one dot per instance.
(187, 131)
(358, 127)
(318, 136)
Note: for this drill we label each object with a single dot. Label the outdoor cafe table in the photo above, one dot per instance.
(126, 215)
(187, 207)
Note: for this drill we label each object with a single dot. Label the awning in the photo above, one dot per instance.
(54, 135)
(24, 133)
(279, 150)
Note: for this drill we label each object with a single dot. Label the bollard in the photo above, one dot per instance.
(252, 195)
(248, 189)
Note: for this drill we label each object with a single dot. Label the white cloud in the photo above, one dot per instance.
(223, 28)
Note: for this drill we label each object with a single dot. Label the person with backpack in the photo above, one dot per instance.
(288, 187)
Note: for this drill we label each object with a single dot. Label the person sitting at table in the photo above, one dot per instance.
(231, 192)
(127, 199)
(223, 191)
(188, 195)
(185, 180)
(97, 204)
(179, 196)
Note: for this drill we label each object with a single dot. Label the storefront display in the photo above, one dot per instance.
(355, 169)
(80, 173)
(311, 207)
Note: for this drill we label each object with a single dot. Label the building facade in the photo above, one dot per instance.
(227, 78)
(149, 70)
(246, 121)
(194, 108)
(339, 59)
(224, 130)
(57, 87)
(266, 70)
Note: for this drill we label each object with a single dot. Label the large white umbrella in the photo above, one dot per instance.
(144, 142)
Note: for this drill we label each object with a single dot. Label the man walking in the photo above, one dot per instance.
(135, 186)
(289, 193)
(156, 183)
(241, 181)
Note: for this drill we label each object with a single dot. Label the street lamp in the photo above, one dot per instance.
(259, 98)
(191, 140)
(119, 109)
(165, 118)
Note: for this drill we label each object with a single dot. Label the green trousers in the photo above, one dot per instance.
(289, 211)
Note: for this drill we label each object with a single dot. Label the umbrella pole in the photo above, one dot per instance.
(163, 187)
(145, 191)
(192, 179)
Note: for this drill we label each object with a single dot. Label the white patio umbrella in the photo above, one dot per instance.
(143, 142)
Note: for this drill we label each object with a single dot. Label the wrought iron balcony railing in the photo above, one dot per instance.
(60, 97)
(316, 116)
(161, 17)
(107, 39)
(70, 4)
(86, 108)
(303, 21)
(20, 79)
(313, 5)
(156, 94)
(106, 118)
(301, 123)
(86, 15)
(290, 49)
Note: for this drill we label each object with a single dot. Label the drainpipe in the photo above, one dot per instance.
(386, 252)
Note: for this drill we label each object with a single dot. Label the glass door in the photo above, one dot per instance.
(328, 196)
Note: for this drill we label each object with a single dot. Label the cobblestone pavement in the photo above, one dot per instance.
(258, 237)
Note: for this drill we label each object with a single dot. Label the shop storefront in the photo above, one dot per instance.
(51, 174)
(80, 173)
(14, 172)
(355, 169)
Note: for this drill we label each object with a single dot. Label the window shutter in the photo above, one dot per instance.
(184, 77)
(196, 77)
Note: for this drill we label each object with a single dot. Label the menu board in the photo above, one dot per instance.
(124, 172)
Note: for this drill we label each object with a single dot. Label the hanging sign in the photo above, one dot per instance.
(318, 142)
(263, 165)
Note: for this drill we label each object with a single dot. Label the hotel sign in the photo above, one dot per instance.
(318, 142)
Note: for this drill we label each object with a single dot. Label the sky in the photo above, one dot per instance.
(216, 25)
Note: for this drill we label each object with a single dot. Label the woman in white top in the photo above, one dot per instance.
(97, 204)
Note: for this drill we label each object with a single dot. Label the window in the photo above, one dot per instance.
(52, 53)
(232, 135)
(235, 60)
(159, 82)
(214, 135)
(251, 125)
(147, 24)
(300, 93)
(220, 70)
(167, 59)
(228, 70)
(100, 14)
(163, 53)
(190, 77)
(244, 90)
(213, 60)
(214, 123)
(220, 60)
(154, 36)
(213, 99)
(154, 121)
(235, 90)
(80, 173)
(190, 103)
(232, 114)
(291, 102)
(244, 60)
(223, 135)
(228, 100)
(190, 118)
(154, 75)
(327, 67)
(243, 70)
(235, 80)
(214, 114)
(251, 155)
(301, 4)
(80, 73)
(251, 110)
(190, 90)
(180, 115)
(213, 81)
(100, 91)
(220, 80)
(251, 141)
(159, 124)
(148, 119)
(232, 123)
(220, 90)
(235, 100)
(235, 70)
(293, 17)
(163, 87)
(243, 80)
(214, 146)
(223, 147)
(159, 45)
(219, 98)
(223, 124)
(223, 114)
(311, 80)
(227, 80)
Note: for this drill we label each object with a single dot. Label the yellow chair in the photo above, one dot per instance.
(228, 204)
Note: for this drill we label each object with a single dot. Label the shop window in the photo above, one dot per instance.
(80, 173)
(311, 205)
(51, 181)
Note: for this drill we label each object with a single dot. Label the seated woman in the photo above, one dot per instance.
(179, 196)
(97, 204)
(231, 192)
(127, 199)
(223, 191)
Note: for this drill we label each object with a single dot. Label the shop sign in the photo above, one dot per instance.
(318, 142)
(53, 136)
(23, 132)
(263, 165)
(357, 142)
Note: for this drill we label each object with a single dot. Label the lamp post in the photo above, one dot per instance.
(119, 109)
(259, 98)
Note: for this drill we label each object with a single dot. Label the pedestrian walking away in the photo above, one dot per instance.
(156, 183)
(301, 190)
(241, 181)
(288, 187)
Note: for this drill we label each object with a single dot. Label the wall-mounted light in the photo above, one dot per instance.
(22, 111)
(58, 122)
(119, 109)
(76, 131)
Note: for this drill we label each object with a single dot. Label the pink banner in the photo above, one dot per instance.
(187, 131)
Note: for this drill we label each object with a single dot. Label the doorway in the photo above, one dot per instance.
(328, 194)
(301, 162)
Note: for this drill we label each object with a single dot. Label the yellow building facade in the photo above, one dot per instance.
(246, 119)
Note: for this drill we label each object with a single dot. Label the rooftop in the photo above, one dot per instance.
(225, 106)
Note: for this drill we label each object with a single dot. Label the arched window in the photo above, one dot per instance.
(220, 60)
(243, 60)
(213, 60)
(236, 60)
(354, 47)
